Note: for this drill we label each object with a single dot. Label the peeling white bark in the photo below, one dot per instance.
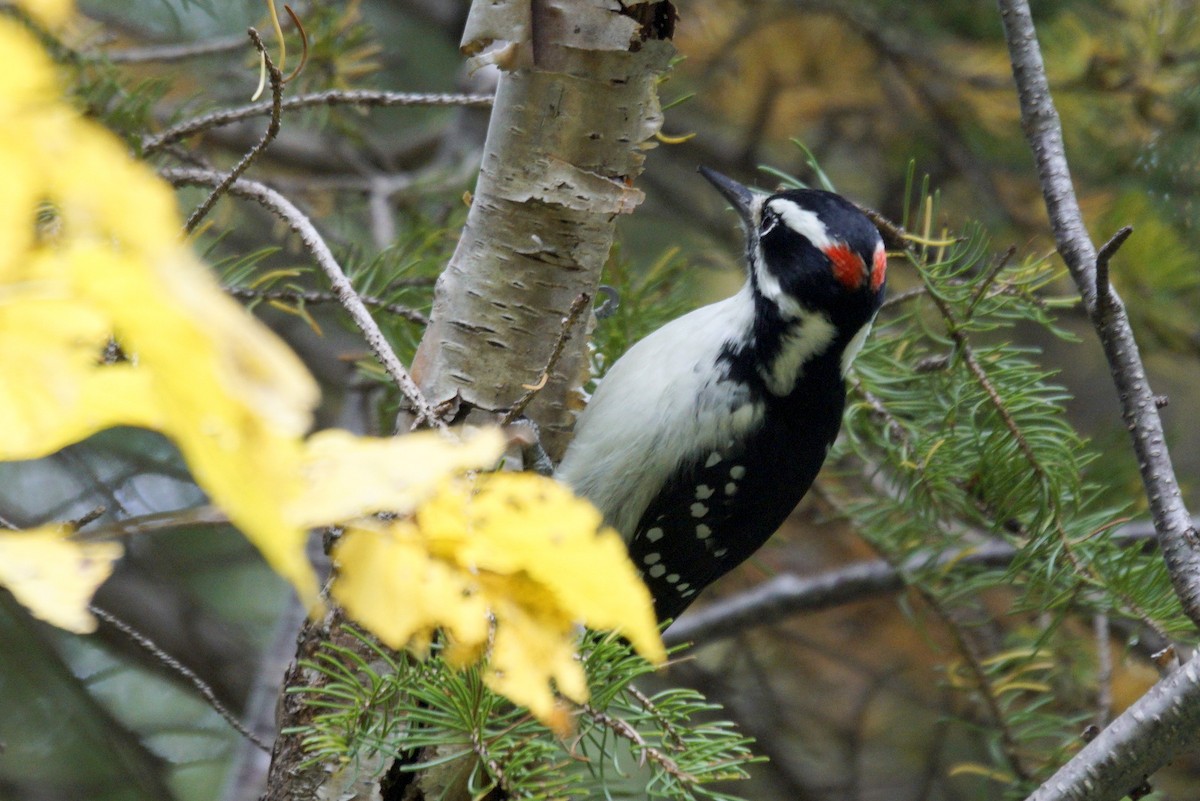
(574, 114)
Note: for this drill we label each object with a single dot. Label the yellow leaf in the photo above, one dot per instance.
(347, 476)
(49, 12)
(512, 560)
(523, 522)
(55, 576)
(534, 646)
(388, 582)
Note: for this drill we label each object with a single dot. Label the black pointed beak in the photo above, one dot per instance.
(734, 192)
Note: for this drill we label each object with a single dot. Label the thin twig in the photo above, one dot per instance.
(577, 306)
(272, 131)
(481, 751)
(331, 97)
(311, 296)
(983, 683)
(90, 516)
(176, 666)
(1043, 129)
(1103, 257)
(1104, 669)
(993, 272)
(173, 52)
(342, 288)
(645, 751)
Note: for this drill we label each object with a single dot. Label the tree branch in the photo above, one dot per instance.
(331, 97)
(268, 136)
(1143, 738)
(173, 664)
(283, 208)
(1040, 121)
(788, 594)
(311, 297)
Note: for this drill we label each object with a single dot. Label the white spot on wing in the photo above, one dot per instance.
(703, 532)
(737, 472)
(730, 488)
(655, 534)
(713, 459)
(703, 492)
(672, 578)
(657, 571)
(717, 553)
(651, 558)
(699, 510)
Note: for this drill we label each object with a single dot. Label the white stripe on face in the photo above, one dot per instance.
(802, 221)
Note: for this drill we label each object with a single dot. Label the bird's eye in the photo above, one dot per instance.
(770, 218)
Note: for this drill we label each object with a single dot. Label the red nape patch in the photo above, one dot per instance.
(848, 266)
(879, 270)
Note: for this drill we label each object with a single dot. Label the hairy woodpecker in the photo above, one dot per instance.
(705, 435)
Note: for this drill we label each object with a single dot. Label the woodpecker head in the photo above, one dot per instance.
(809, 250)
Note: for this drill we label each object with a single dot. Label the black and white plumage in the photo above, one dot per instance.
(705, 435)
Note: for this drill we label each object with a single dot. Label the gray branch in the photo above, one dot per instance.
(1146, 736)
(1176, 534)
(315, 244)
(1167, 718)
(789, 594)
(331, 97)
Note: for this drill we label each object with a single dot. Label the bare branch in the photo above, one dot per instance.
(176, 666)
(1107, 251)
(173, 52)
(1104, 668)
(331, 97)
(788, 594)
(268, 136)
(342, 288)
(1144, 737)
(1039, 118)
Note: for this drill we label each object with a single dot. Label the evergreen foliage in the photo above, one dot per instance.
(626, 744)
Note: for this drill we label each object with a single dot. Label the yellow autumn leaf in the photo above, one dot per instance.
(533, 649)
(347, 476)
(55, 576)
(48, 12)
(89, 252)
(512, 560)
(388, 582)
(90, 249)
(520, 522)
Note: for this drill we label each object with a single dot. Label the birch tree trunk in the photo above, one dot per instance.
(576, 109)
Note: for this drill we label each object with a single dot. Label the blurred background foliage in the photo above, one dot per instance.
(871, 700)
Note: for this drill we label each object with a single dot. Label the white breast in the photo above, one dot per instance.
(658, 408)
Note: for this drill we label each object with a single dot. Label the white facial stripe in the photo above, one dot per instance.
(802, 221)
